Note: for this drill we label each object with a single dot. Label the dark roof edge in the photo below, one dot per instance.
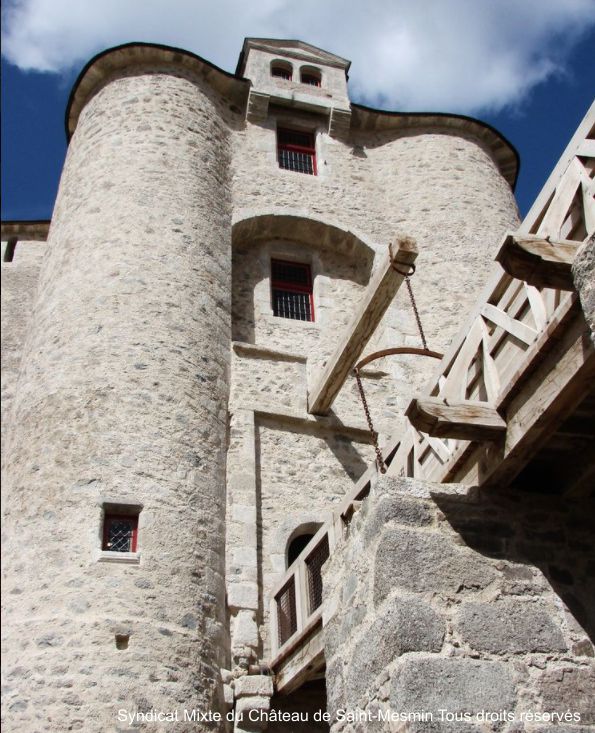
(472, 121)
(140, 45)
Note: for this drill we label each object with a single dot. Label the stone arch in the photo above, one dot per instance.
(282, 69)
(299, 227)
(311, 75)
(338, 257)
(306, 530)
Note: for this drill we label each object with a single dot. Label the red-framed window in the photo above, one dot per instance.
(281, 70)
(296, 151)
(120, 532)
(291, 290)
(310, 77)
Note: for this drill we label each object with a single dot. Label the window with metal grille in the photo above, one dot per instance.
(120, 533)
(282, 70)
(291, 290)
(296, 151)
(286, 611)
(310, 77)
(314, 563)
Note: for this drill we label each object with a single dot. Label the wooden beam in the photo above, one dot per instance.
(538, 261)
(378, 296)
(301, 660)
(544, 400)
(465, 420)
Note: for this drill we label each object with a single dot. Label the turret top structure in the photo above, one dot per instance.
(295, 74)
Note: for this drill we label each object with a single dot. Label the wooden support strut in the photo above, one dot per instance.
(538, 261)
(378, 296)
(464, 420)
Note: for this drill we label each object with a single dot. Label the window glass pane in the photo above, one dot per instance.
(290, 272)
(119, 534)
(292, 137)
(291, 290)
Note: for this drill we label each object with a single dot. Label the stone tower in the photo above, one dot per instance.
(160, 382)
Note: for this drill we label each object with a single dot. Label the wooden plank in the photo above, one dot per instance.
(546, 399)
(520, 330)
(455, 386)
(440, 448)
(306, 665)
(560, 205)
(586, 149)
(531, 222)
(537, 306)
(377, 298)
(491, 377)
(539, 262)
(465, 420)
(588, 206)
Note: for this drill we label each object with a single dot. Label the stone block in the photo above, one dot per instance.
(583, 272)
(509, 626)
(570, 688)
(245, 630)
(247, 712)
(242, 595)
(401, 509)
(458, 685)
(406, 625)
(253, 684)
(228, 695)
(421, 560)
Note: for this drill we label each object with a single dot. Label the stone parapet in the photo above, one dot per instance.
(449, 599)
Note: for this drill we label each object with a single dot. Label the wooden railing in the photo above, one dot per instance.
(506, 333)
(503, 342)
(296, 604)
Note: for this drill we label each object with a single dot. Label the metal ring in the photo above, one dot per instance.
(405, 274)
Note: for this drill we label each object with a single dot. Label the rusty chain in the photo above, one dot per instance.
(373, 433)
(360, 386)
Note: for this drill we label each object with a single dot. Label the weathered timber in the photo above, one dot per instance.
(465, 420)
(302, 659)
(378, 296)
(548, 396)
(538, 261)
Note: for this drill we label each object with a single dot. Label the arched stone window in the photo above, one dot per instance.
(310, 75)
(282, 70)
(298, 540)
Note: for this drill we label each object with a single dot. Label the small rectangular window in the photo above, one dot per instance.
(291, 290)
(296, 151)
(120, 533)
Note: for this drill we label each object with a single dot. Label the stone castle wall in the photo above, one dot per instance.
(19, 284)
(153, 309)
(122, 399)
(463, 602)
(368, 187)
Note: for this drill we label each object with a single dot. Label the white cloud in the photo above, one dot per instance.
(450, 55)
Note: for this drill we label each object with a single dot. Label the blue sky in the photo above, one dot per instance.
(525, 66)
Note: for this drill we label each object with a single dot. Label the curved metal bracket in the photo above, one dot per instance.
(398, 350)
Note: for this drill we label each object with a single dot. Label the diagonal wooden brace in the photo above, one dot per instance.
(383, 287)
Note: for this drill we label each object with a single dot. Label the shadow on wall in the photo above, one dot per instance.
(552, 534)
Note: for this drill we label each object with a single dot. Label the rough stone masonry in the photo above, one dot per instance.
(147, 375)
